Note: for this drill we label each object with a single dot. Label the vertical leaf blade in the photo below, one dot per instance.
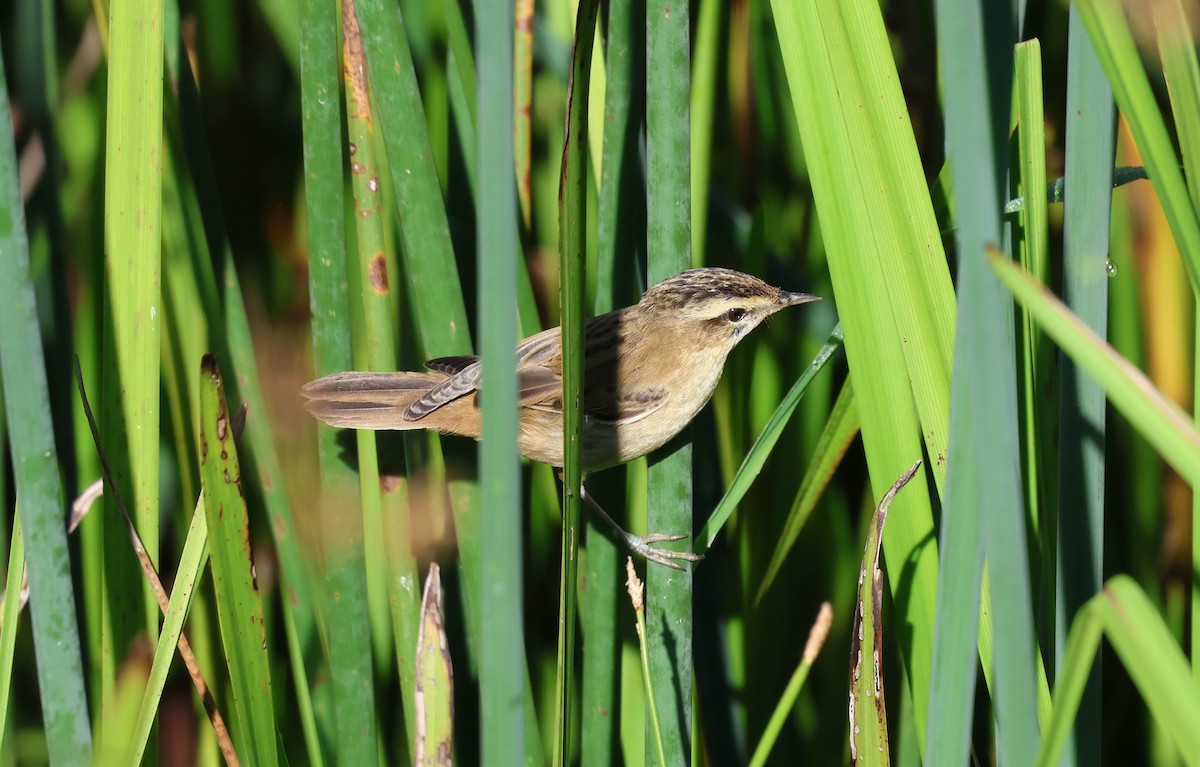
(501, 681)
(38, 485)
(668, 251)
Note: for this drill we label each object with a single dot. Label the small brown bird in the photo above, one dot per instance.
(648, 370)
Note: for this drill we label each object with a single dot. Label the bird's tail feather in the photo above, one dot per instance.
(358, 400)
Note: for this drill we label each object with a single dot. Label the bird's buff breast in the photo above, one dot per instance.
(606, 444)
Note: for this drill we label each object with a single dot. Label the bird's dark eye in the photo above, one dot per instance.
(735, 315)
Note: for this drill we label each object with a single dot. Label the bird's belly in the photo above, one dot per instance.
(606, 444)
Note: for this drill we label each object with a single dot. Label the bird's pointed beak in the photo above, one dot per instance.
(792, 299)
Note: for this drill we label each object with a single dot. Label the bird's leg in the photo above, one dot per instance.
(643, 544)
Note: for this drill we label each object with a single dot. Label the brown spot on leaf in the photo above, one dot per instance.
(355, 64)
(378, 274)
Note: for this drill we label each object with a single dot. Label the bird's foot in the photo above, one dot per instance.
(644, 545)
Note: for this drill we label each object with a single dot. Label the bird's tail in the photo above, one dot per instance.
(357, 400)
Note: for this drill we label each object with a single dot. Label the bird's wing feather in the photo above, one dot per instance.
(539, 365)
(452, 365)
(627, 406)
(535, 385)
(540, 350)
(460, 384)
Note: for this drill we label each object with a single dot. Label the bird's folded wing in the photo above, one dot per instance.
(539, 371)
(629, 405)
(603, 406)
(538, 384)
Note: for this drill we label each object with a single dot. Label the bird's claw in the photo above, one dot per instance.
(644, 545)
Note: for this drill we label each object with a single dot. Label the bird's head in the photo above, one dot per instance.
(718, 305)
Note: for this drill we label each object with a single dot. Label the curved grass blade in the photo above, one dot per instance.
(637, 595)
(1177, 51)
(194, 555)
(753, 462)
(14, 586)
(840, 429)
(1150, 655)
(191, 566)
(816, 640)
(868, 711)
(239, 607)
(434, 694)
(1159, 420)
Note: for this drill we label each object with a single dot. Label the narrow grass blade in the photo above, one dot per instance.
(324, 195)
(572, 233)
(637, 595)
(668, 251)
(428, 253)
(501, 681)
(239, 607)
(130, 384)
(706, 53)
(216, 278)
(753, 462)
(374, 298)
(816, 640)
(984, 497)
(1159, 420)
(120, 720)
(1080, 536)
(1150, 655)
(14, 585)
(522, 87)
(620, 259)
(36, 474)
(362, 561)
(840, 429)
(1115, 48)
(435, 681)
(1036, 362)
(191, 565)
(868, 709)
(1177, 52)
